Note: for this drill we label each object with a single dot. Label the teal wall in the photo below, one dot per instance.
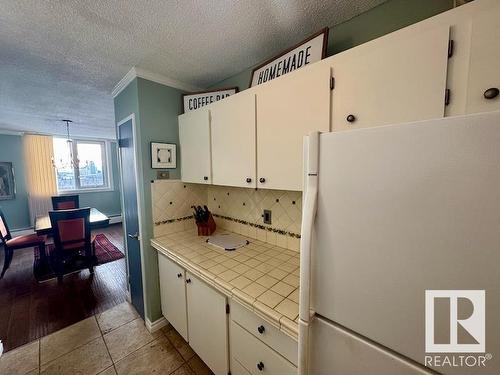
(156, 108)
(16, 211)
(383, 19)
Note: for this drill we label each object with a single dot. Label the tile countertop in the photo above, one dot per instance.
(262, 277)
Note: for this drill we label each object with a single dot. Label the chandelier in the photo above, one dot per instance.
(71, 161)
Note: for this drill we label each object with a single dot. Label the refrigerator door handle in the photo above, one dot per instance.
(308, 216)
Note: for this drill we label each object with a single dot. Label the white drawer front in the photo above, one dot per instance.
(257, 357)
(237, 368)
(272, 336)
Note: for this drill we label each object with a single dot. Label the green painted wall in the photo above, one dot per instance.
(16, 211)
(156, 108)
(383, 19)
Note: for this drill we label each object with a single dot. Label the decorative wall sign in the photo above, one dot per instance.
(197, 100)
(7, 182)
(163, 155)
(311, 50)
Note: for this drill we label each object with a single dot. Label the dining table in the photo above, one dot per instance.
(97, 220)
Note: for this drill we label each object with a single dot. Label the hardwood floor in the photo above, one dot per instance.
(29, 310)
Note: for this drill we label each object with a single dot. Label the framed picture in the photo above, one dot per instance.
(163, 155)
(7, 182)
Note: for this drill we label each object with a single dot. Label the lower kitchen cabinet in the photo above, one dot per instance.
(207, 322)
(197, 312)
(173, 294)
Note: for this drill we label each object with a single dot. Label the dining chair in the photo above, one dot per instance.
(14, 243)
(72, 238)
(65, 202)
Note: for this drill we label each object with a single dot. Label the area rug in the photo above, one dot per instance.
(105, 252)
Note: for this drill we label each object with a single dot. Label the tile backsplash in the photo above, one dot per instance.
(238, 210)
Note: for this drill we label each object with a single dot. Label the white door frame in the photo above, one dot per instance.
(139, 209)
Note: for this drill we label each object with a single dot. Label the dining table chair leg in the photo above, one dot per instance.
(7, 260)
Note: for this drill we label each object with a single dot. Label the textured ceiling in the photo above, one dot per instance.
(61, 59)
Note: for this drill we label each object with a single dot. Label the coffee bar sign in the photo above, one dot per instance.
(200, 99)
(311, 50)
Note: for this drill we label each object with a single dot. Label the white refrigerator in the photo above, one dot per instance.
(400, 249)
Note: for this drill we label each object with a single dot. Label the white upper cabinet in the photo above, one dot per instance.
(289, 108)
(484, 68)
(397, 78)
(233, 140)
(194, 135)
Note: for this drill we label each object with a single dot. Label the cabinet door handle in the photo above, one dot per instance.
(491, 93)
(188, 281)
(351, 118)
(262, 180)
(249, 180)
(260, 366)
(179, 275)
(205, 178)
(261, 329)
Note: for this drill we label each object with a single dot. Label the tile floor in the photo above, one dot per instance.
(114, 342)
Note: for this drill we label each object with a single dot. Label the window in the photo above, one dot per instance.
(81, 165)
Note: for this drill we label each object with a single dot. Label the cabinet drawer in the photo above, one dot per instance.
(237, 368)
(269, 334)
(256, 356)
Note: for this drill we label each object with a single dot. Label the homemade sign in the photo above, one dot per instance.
(310, 50)
(200, 99)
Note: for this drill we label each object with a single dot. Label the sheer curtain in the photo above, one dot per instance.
(40, 174)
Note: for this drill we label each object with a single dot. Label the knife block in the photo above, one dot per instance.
(207, 228)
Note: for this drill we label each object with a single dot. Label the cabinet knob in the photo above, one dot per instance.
(179, 275)
(261, 329)
(205, 178)
(260, 366)
(491, 93)
(262, 180)
(249, 180)
(351, 118)
(188, 281)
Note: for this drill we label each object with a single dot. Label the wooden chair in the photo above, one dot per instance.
(14, 243)
(66, 202)
(72, 237)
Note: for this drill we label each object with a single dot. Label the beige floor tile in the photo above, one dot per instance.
(277, 273)
(67, 339)
(267, 281)
(252, 263)
(115, 317)
(21, 360)
(179, 343)
(270, 298)
(199, 367)
(254, 290)
(253, 274)
(287, 267)
(228, 275)
(241, 282)
(283, 289)
(127, 338)
(157, 357)
(184, 370)
(265, 267)
(288, 308)
(109, 371)
(89, 359)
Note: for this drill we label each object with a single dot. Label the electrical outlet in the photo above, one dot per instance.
(267, 216)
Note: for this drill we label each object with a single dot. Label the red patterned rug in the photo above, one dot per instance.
(105, 252)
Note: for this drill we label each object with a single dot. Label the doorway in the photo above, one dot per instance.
(132, 223)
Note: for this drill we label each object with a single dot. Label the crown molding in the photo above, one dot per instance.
(11, 132)
(136, 72)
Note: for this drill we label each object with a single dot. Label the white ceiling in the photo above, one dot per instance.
(61, 59)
